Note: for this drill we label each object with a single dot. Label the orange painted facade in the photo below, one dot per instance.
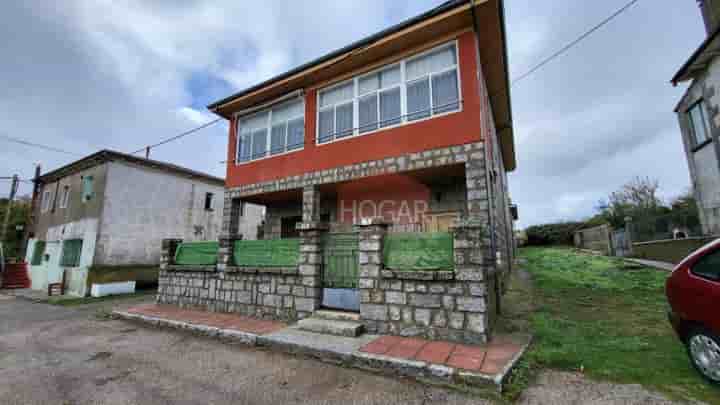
(455, 128)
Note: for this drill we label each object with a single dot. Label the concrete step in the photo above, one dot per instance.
(336, 315)
(331, 327)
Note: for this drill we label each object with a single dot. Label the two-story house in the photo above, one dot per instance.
(698, 114)
(107, 213)
(386, 161)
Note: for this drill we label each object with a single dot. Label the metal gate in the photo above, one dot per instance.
(340, 271)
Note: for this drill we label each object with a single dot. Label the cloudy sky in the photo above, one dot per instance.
(85, 75)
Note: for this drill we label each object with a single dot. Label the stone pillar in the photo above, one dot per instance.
(229, 231)
(629, 229)
(373, 308)
(167, 252)
(311, 204)
(310, 258)
(226, 245)
(475, 268)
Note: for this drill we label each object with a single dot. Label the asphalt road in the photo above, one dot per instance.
(56, 355)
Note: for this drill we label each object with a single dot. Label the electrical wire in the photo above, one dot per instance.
(176, 137)
(573, 43)
(37, 145)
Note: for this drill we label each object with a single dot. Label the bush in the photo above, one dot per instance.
(560, 233)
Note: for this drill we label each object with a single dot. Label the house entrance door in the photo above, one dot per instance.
(340, 271)
(441, 222)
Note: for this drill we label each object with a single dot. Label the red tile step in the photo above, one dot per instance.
(491, 358)
(214, 319)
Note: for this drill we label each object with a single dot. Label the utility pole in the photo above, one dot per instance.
(30, 226)
(6, 221)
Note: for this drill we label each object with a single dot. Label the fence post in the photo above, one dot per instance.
(226, 247)
(629, 235)
(373, 308)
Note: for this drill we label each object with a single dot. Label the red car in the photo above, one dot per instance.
(693, 291)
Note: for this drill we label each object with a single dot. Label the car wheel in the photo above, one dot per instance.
(704, 350)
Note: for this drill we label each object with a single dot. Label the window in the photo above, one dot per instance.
(697, 115)
(277, 130)
(71, 251)
(209, 205)
(46, 200)
(87, 188)
(336, 112)
(418, 87)
(433, 79)
(708, 267)
(38, 253)
(65, 197)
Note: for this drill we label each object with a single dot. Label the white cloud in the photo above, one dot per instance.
(124, 74)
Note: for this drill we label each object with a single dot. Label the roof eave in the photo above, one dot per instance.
(448, 5)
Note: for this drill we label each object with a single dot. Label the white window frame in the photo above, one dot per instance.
(403, 95)
(65, 197)
(47, 197)
(268, 127)
(705, 123)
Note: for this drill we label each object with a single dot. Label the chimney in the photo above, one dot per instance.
(711, 14)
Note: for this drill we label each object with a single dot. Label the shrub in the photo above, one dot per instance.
(560, 233)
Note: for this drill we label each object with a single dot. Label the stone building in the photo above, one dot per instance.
(385, 161)
(698, 114)
(108, 212)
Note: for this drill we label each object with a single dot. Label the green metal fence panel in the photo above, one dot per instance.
(71, 250)
(38, 253)
(340, 259)
(267, 253)
(197, 253)
(419, 251)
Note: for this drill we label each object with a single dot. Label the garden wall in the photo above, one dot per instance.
(669, 250)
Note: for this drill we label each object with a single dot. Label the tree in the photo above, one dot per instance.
(18, 218)
(636, 198)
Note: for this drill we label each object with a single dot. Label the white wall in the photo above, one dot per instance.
(249, 222)
(703, 163)
(143, 206)
(50, 270)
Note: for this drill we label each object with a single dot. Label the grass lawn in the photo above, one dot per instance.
(592, 314)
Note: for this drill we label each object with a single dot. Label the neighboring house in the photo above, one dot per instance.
(109, 211)
(699, 116)
(403, 134)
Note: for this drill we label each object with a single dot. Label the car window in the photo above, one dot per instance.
(708, 266)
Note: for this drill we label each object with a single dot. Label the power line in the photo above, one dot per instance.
(573, 43)
(176, 137)
(37, 145)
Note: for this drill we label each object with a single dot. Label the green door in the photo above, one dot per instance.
(340, 271)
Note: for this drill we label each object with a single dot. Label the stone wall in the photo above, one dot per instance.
(449, 305)
(286, 293)
(280, 295)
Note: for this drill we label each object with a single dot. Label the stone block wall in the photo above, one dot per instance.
(449, 305)
(272, 293)
(247, 292)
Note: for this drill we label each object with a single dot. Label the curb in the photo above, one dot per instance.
(423, 372)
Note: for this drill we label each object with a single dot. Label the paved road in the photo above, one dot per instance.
(56, 355)
(653, 263)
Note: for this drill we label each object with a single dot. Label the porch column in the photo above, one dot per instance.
(373, 308)
(310, 259)
(472, 269)
(232, 208)
(475, 255)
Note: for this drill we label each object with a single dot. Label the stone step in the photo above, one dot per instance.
(331, 327)
(336, 315)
